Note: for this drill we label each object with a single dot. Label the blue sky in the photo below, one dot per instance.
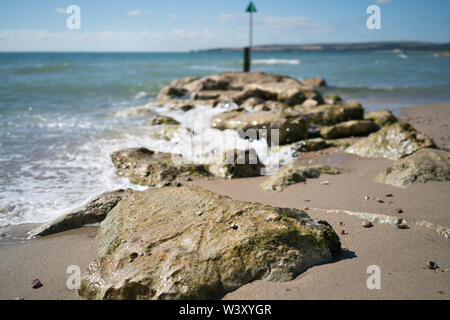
(182, 25)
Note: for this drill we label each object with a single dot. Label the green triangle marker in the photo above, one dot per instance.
(251, 8)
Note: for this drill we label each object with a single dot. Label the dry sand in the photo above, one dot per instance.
(402, 255)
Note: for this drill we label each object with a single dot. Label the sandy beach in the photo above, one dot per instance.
(402, 255)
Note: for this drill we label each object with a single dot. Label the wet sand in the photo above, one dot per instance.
(402, 255)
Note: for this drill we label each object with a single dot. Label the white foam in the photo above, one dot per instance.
(276, 61)
(44, 189)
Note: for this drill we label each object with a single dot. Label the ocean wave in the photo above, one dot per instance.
(276, 61)
(53, 68)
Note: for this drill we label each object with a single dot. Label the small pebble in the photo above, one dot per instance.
(325, 183)
(20, 298)
(391, 202)
(400, 211)
(446, 270)
(306, 208)
(432, 265)
(133, 256)
(343, 232)
(341, 224)
(367, 224)
(36, 284)
(366, 198)
(389, 195)
(379, 200)
(402, 226)
(2, 235)
(233, 226)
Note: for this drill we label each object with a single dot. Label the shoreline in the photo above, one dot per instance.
(401, 254)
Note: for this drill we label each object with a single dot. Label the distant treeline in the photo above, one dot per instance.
(367, 46)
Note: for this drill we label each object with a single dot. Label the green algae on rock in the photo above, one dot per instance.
(190, 243)
(392, 142)
(383, 117)
(159, 120)
(354, 128)
(422, 166)
(328, 114)
(148, 168)
(293, 174)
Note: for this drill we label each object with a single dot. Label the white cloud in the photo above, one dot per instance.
(134, 12)
(173, 16)
(61, 10)
(42, 40)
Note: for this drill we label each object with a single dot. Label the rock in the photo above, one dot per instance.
(432, 265)
(159, 120)
(94, 211)
(291, 94)
(325, 183)
(367, 224)
(236, 164)
(331, 114)
(310, 145)
(176, 88)
(399, 211)
(383, 117)
(289, 175)
(310, 103)
(422, 166)
(36, 284)
(239, 87)
(293, 174)
(222, 85)
(186, 256)
(392, 142)
(147, 168)
(331, 170)
(291, 128)
(135, 112)
(315, 82)
(352, 128)
(334, 98)
(168, 132)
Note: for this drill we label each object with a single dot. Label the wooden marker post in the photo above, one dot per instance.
(247, 51)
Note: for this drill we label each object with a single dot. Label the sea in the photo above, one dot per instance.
(57, 132)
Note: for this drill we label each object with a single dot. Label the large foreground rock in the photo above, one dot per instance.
(392, 142)
(189, 243)
(293, 174)
(291, 127)
(354, 128)
(327, 114)
(148, 168)
(94, 211)
(424, 165)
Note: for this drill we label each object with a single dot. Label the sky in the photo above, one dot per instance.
(183, 25)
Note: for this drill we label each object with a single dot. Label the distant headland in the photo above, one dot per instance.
(362, 46)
